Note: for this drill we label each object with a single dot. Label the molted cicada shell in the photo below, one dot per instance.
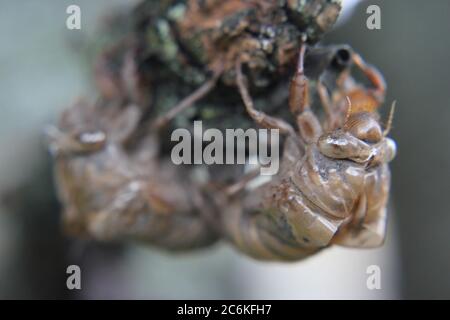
(116, 182)
(333, 184)
(111, 191)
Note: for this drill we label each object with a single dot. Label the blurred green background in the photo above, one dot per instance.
(44, 66)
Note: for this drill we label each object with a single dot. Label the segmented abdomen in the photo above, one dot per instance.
(300, 211)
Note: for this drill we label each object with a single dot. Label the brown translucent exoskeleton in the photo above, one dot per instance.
(111, 191)
(333, 183)
(332, 187)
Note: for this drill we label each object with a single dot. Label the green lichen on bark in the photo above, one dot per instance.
(188, 35)
(176, 44)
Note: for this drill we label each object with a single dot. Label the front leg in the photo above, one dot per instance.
(375, 77)
(260, 117)
(307, 122)
(367, 228)
(332, 119)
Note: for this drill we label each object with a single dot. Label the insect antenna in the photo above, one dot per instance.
(349, 110)
(390, 119)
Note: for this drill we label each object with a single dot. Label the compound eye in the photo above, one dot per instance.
(392, 149)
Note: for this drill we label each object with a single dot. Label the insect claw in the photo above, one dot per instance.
(260, 117)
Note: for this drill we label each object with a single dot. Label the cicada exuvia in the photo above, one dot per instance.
(334, 179)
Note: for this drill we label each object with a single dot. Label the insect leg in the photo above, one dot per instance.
(374, 76)
(331, 120)
(369, 234)
(308, 124)
(260, 117)
(368, 226)
(187, 102)
(299, 87)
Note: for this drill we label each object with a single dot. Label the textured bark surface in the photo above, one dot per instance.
(169, 48)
